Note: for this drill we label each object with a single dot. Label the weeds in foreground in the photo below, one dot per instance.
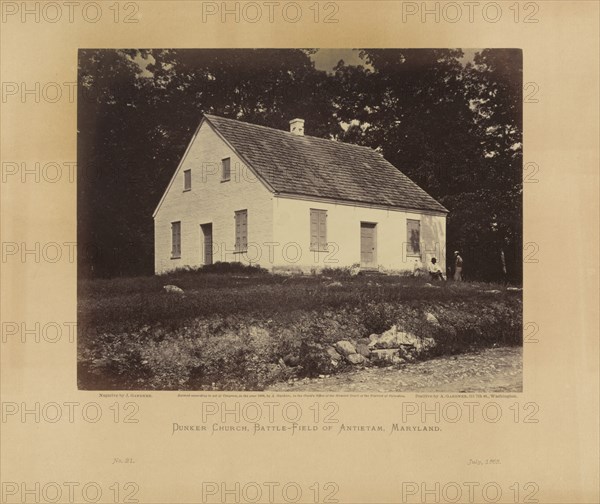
(233, 331)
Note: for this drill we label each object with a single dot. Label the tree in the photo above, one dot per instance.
(494, 88)
(454, 128)
(138, 111)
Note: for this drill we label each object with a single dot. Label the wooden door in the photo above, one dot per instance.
(368, 245)
(207, 243)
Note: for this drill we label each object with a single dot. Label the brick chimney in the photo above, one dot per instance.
(297, 127)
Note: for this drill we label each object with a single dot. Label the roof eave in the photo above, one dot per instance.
(187, 149)
(239, 154)
(309, 197)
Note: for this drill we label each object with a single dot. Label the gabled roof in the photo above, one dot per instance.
(315, 167)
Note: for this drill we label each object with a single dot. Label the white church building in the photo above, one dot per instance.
(288, 201)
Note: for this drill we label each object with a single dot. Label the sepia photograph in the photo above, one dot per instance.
(299, 252)
(300, 220)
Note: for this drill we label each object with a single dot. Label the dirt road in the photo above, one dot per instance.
(491, 370)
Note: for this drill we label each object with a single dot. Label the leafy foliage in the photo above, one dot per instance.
(454, 128)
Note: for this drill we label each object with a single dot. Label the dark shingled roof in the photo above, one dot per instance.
(311, 166)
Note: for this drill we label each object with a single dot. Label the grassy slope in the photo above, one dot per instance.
(229, 330)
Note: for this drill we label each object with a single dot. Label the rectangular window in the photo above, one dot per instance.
(226, 169)
(318, 230)
(187, 180)
(413, 237)
(175, 240)
(241, 231)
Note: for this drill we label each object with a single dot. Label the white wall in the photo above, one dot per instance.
(292, 232)
(278, 227)
(211, 200)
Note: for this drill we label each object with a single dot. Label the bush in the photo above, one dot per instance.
(233, 268)
(341, 272)
(313, 357)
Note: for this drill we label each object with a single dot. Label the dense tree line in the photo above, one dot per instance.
(454, 127)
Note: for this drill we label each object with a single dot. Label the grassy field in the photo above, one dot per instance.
(231, 329)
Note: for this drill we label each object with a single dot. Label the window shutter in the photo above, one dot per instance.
(314, 230)
(323, 231)
(318, 230)
(238, 234)
(226, 172)
(413, 237)
(241, 230)
(244, 230)
(176, 239)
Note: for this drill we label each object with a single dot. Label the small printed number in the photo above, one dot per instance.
(530, 90)
(530, 330)
(532, 249)
(530, 170)
(330, 9)
(530, 9)
(332, 250)
(531, 408)
(130, 10)
(333, 409)
(533, 489)
(333, 489)
(530, 487)
(131, 489)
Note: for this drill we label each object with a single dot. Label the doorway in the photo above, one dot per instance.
(368, 245)
(207, 243)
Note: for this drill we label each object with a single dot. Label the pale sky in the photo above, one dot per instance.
(326, 59)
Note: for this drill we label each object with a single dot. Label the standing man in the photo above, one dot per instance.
(458, 266)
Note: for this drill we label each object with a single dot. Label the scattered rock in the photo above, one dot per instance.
(334, 284)
(173, 289)
(392, 339)
(355, 359)
(422, 344)
(407, 342)
(354, 270)
(493, 291)
(333, 354)
(386, 355)
(363, 350)
(432, 319)
(386, 340)
(345, 348)
(406, 338)
(514, 289)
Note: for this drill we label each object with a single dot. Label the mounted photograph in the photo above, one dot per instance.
(300, 220)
